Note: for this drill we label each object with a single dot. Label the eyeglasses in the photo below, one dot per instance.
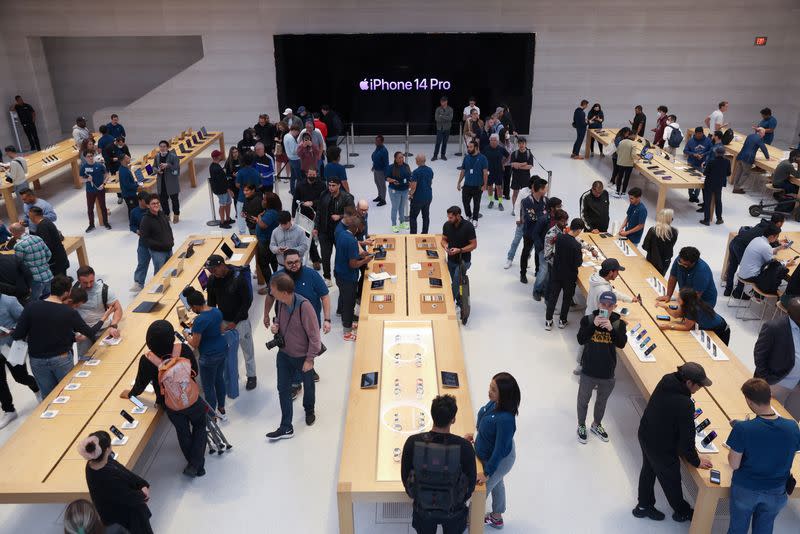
(293, 262)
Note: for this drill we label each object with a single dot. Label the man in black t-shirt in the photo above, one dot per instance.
(458, 240)
(27, 118)
(443, 413)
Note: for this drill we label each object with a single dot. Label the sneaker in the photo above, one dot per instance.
(349, 336)
(119, 200)
(296, 388)
(89, 228)
(310, 418)
(562, 324)
(577, 370)
(523, 278)
(683, 517)
(434, 158)
(376, 199)
(281, 433)
(201, 472)
(548, 325)
(444, 158)
(316, 376)
(720, 221)
(507, 264)
(191, 471)
(491, 204)
(108, 226)
(738, 191)
(537, 296)
(221, 415)
(404, 226)
(135, 288)
(475, 223)
(615, 194)
(395, 229)
(317, 265)
(328, 282)
(582, 433)
(251, 383)
(226, 226)
(650, 512)
(705, 223)
(7, 418)
(493, 521)
(500, 207)
(381, 203)
(480, 216)
(175, 218)
(599, 431)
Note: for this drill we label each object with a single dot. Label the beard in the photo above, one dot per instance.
(294, 275)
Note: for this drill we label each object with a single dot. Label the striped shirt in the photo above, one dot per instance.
(34, 253)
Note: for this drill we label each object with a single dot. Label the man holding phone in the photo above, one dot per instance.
(288, 236)
(95, 177)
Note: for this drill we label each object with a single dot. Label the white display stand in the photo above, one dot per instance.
(62, 399)
(49, 414)
(625, 247)
(128, 426)
(639, 351)
(119, 442)
(710, 449)
(714, 352)
(656, 285)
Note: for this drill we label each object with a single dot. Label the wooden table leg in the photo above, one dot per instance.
(588, 143)
(477, 511)
(733, 169)
(344, 500)
(76, 174)
(83, 257)
(102, 216)
(11, 205)
(662, 198)
(222, 142)
(705, 508)
(192, 174)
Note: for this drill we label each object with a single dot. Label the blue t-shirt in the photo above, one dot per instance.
(494, 157)
(423, 176)
(380, 158)
(98, 173)
(636, 215)
(246, 175)
(115, 130)
(346, 250)
(698, 278)
(403, 175)
(335, 170)
(706, 320)
(752, 144)
(136, 218)
(311, 285)
(473, 169)
(104, 141)
(495, 436)
(127, 183)
(209, 325)
(768, 447)
(270, 218)
(770, 123)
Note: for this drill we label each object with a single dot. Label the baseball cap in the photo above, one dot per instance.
(301, 109)
(334, 180)
(216, 154)
(607, 297)
(611, 264)
(215, 260)
(287, 111)
(694, 371)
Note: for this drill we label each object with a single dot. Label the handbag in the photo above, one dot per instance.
(18, 352)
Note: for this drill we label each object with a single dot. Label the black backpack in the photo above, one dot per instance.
(772, 274)
(103, 292)
(675, 138)
(437, 484)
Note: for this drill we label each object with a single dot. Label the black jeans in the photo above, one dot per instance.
(580, 133)
(347, 301)
(614, 169)
(527, 246)
(471, 193)
(266, 261)
(453, 525)
(33, 136)
(190, 426)
(416, 209)
(288, 369)
(507, 182)
(667, 469)
(591, 146)
(734, 257)
(313, 251)
(130, 203)
(707, 194)
(441, 140)
(556, 287)
(623, 177)
(21, 376)
(326, 243)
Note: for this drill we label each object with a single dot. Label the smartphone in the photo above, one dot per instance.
(662, 317)
(369, 380)
(708, 439)
(714, 350)
(645, 342)
(650, 349)
(642, 333)
(432, 253)
(435, 282)
(377, 284)
(128, 417)
(605, 234)
(636, 328)
(699, 428)
(179, 337)
(673, 307)
(449, 380)
(603, 313)
(698, 412)
(136, 402)
(714, 476)
(116, 432)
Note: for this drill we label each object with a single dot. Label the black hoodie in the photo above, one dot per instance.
(595, 211)
(667, 425)
(155, 232)
(599, 357)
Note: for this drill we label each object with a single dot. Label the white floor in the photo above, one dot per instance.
(557, 485)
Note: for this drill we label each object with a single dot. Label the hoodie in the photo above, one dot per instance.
(80, 134)
(599, 358)
(668, 132)
(155, 232)
(667, 425)
(598, 285)
(595, 211)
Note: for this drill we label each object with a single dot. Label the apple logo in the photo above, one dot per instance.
(364, 85)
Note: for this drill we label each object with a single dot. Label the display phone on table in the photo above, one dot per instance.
(714, 476)
(136, 402)
(116, 431)
(128, 417)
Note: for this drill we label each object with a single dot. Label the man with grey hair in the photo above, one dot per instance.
(746, 157)
(420, 194)
(495, 154)
(33, 252)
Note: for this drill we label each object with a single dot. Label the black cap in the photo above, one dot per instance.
(215, 260)
(334, 180)
(694, 372)
(611, 264)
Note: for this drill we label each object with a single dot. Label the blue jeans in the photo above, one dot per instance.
(399, 201)
(232, 363)
(48, 372)
(159, 259)
(294, 165)
(455, 273)
(512, 251)
(287, 370)
(241, 223)
(212, 375)
(543, 277)
(762, 506)
(441, 140)
(495, 486)
(40, 290)
(580, 134)
(142, 264)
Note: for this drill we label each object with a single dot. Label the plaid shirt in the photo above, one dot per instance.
(33, 252)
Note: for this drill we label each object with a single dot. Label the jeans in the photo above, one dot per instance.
(543, 276)
(441, 140)
(580, 133)
(48, 372)
(232, 363)
(40, 290)
(556, 287)
(456, 524)
(21, 376)
(471, 193)
(245, 342)
(734, 257)
(455, 273)
(623, 177)
(380, 183)
(494, 484)
(102, 214)
(604, 388)
(399, 201)
(667, 469)
(142, 264)
(526, 254)
(707, 198)
(212, 375)
(347, 301)
(294, 165)
(288, 367)
(190, 426)
(241, 223)
(762, 506)
(159, 259)
(425, 209)
(326, 244)
(512, 250)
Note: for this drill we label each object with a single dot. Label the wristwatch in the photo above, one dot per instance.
(326, 320)
(113, 326)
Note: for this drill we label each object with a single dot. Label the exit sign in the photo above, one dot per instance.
(761, 41)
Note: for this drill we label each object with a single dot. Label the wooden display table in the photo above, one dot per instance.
(39, 462)
(72, 243)
(405, 345)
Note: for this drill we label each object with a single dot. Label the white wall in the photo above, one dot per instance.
(682, 53)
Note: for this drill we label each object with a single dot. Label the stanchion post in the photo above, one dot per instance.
(347, 164)
(213, 221)
(408, 154)
(460, 141)
(353, 137)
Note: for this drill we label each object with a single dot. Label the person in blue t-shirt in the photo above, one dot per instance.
(380, 160)
(247, 174)
(349, 259)
(94, 175)
(115, 129)
(335, 169)
(494, 444)
(769, 123)
(266, 223)
(421, 194)
(761, 452)
(142, 252)
(746, 157)
(693, 311)
(206, 337)
(398, 175)
(688, 270)
(475, 176)
(127, 184)
(105, 138)
(635, 217)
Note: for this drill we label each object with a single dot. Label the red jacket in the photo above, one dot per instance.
(323, 128)
(661, 124)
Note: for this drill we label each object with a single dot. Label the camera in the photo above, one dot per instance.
(277, 341)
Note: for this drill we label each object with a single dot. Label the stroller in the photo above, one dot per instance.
(217, 443)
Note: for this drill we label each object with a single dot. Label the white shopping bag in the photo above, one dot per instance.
(18, 352)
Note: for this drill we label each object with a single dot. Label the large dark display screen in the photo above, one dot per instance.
(380, 82)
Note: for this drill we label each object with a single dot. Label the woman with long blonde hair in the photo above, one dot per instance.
(660, 241)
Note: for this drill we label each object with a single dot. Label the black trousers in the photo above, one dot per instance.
(313, 252)
(471, 193)
(33, 136)
(527, 246)
(556, 287)
(623, 177)
(614, 168)
(130, 203)
(165, 198)
(708, 193)
(266, 261)
(453, 525)
(591, 146)
(425, 209)
(21, 376)
(326, 243)
(347, 301)
(667, 469)
(507, 182)
(190, 426)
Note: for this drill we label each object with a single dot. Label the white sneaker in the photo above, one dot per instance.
(7, 418)
(328, 282)
(548, 325)
(513, 214)
(507, 265)
(135, 288)
(222, 416)
(38, 395)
